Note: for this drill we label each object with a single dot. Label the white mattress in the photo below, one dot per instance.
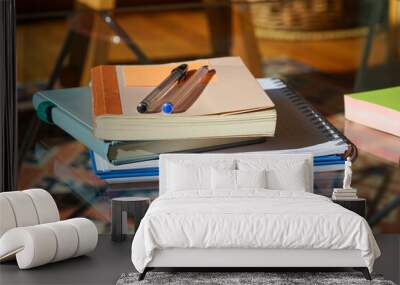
(257, 219)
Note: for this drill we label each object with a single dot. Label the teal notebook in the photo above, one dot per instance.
(71, 110)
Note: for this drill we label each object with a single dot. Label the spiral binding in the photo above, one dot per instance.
(329, 130)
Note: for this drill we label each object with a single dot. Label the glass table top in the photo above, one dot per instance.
(311, 56)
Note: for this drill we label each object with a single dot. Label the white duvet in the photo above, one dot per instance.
(250, 219)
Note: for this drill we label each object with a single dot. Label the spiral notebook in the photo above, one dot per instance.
(300, 129)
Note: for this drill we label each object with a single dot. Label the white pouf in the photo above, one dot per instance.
(40, 244)
(31, 230)
(26, 208)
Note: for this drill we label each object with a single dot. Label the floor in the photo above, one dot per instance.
(106, 264)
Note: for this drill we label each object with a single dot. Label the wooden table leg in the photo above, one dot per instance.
(220, 25)
(245, 43)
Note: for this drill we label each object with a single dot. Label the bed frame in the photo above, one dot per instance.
(242, 258)
(256, 258)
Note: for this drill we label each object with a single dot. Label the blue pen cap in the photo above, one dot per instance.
(167, 108)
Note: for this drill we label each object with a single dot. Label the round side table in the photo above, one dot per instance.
(121, 209)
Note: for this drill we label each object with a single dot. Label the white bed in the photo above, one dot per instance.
(194, 223)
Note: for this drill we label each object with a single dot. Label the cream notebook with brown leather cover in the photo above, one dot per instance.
(232, 103)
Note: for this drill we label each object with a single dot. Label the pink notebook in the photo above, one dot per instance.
(378, 109)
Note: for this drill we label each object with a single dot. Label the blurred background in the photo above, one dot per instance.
(322, 48)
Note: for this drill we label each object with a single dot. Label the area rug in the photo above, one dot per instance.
(268, 278)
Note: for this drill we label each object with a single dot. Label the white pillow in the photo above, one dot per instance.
(282, 174)
(223, 179)
(251, 179)
(236, 179)
(187, 175)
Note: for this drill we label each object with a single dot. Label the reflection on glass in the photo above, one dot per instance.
(313, 46)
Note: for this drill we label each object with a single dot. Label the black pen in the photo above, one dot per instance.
(176, 74)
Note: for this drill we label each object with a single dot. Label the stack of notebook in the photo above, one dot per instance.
(122, 151)
(300, 129)
(106, 119)
(344, 194)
